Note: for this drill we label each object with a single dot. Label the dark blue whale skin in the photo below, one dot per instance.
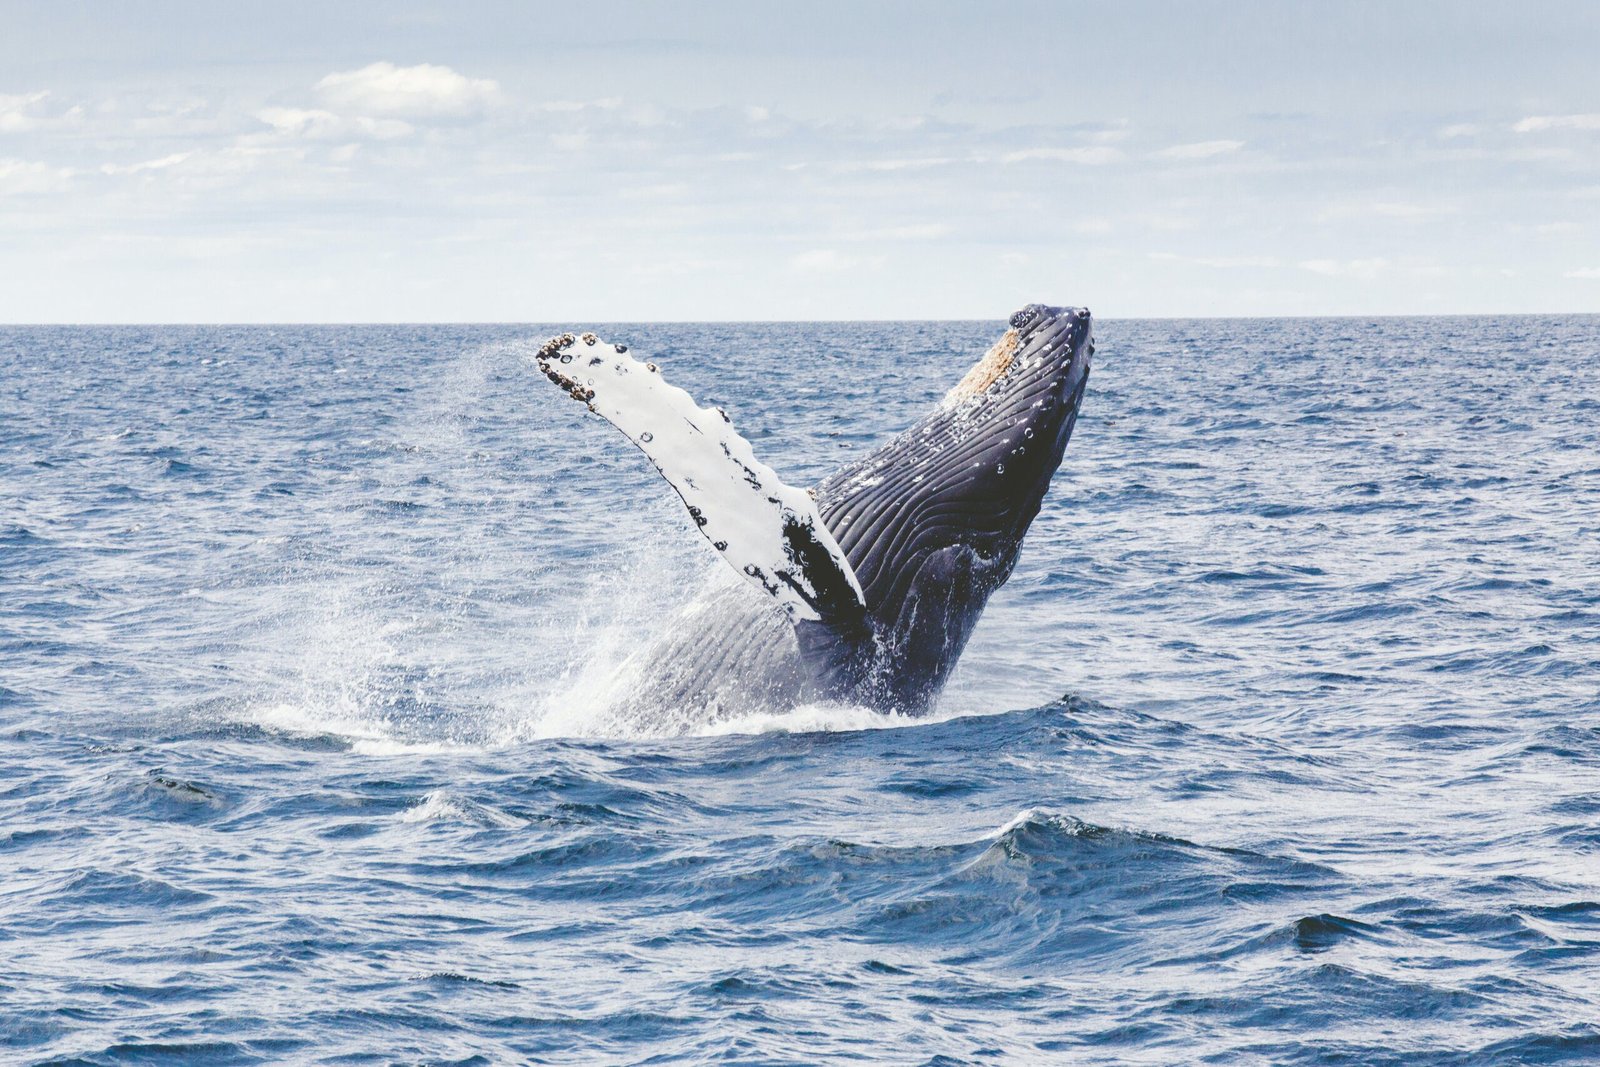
(931, 523)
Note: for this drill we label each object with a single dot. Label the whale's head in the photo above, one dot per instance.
(932, 522)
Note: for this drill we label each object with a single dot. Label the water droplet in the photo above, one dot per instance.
(647, 437)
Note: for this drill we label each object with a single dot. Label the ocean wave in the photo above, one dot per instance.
(309, 751)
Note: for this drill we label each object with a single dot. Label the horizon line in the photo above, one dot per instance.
(778, 322)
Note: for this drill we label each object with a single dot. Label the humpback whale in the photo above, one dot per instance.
(867, 586)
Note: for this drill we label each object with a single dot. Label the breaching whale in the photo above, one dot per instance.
(870, 583)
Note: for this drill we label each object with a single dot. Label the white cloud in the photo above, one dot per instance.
(422, 91)
(298, 121)
(1091, 156)
(315, 124)
(1538, 123)
(922, 231)
(902, 123)
(150, 164)
(1111, 136)
(1587, 274)
(1459, 129)
(1362, 269)
(608, 103)
(1217, 262)
(21, 176)
(1401, 209)
(1405, 210)
(1167, 221)
(656, 191)
(822, 261)
(1546, 229)
(1200, 150)
(854, 166)
(20, 112)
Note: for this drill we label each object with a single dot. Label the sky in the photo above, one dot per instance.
(602, 162)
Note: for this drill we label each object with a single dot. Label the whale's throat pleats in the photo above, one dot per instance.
(968, 477)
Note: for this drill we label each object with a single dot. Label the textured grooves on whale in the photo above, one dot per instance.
(864, 589)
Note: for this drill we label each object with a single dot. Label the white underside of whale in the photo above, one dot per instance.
(768, 531)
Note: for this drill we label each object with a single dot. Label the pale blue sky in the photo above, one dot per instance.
(588, 162)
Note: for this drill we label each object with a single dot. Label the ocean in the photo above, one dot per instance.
(1281, 746)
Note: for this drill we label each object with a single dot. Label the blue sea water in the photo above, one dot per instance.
(1282, 745)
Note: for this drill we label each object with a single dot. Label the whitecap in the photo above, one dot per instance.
(440, 805)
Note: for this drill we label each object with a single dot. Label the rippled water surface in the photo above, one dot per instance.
(1281, 746)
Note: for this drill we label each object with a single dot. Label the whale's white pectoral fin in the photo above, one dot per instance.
(768, 531)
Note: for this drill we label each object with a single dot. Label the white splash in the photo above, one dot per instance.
(820, 718)
(480, 643)
(366, 734)
(439, 805)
